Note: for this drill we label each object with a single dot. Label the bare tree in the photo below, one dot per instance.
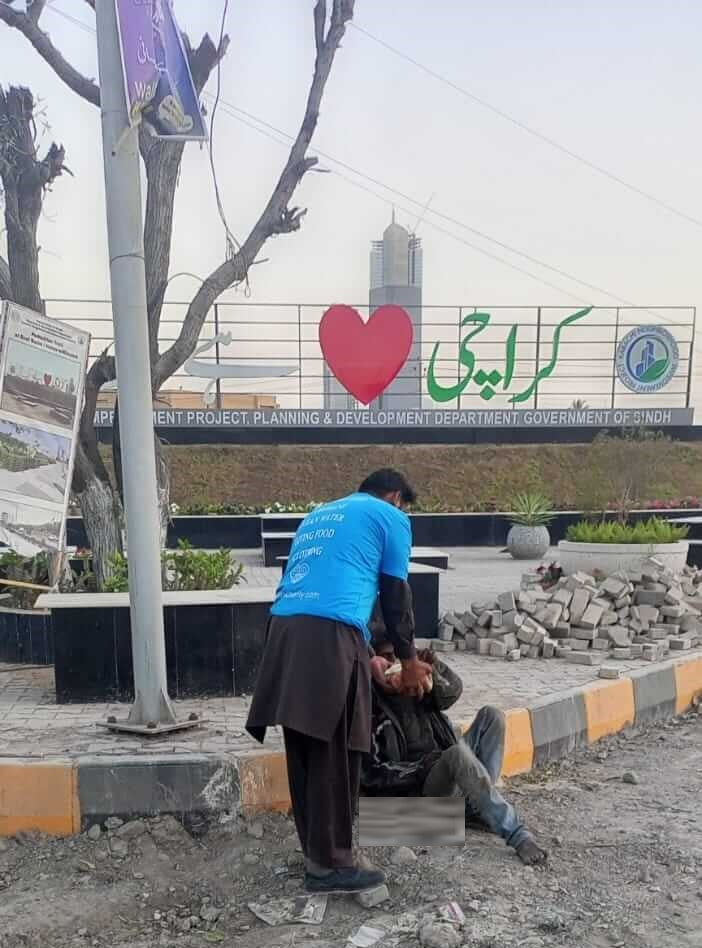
(25, 178)
(99, 498)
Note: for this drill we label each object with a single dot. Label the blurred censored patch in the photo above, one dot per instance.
(411, 821)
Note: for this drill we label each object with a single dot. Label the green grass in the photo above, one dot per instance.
(649, 531)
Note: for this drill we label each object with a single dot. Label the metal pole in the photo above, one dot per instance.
(538, 354)
(127, 274)
(691, 359)
(614, 360)
(219, 381)
(458, 357)
(299, 355)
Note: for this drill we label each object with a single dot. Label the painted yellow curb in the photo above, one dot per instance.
(688, 683)
(263, 780)
(609, 708)
(519, 743)
(39, 797)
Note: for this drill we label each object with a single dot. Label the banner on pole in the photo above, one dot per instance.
(42, 377)
(158, 83)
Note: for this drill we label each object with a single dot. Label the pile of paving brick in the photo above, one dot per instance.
(585, 619)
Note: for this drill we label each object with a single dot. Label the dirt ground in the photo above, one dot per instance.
(625, 870)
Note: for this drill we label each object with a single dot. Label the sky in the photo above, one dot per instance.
(616, 85)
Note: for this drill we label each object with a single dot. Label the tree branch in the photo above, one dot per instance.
(277, 217)
(5, 280)
(35, 9)
(103, 370)
(162, 160)
(52, 56)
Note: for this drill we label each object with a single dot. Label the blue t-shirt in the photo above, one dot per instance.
(337, 556)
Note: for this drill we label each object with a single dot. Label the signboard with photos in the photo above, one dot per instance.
(43, 364)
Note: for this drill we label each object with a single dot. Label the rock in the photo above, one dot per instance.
(210, 913)
(95, 832)
(132, 830)
(439, 935)
(4, 845)
(113, 823)
(251, 859)
(372, 897)
(119, 848)
(167, 829)
(255, 830)
(404, 856)
(618, 636)
(630, 777)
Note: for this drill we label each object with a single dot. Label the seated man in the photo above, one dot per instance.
(414, 750)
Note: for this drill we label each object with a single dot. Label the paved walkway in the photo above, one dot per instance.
(32, 725)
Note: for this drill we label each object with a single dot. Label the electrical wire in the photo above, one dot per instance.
(237, 113)
(483, 103)
(232, 243)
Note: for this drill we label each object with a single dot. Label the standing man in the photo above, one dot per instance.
(315, 674)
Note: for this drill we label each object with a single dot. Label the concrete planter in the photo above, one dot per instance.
(611, 557)
(26, 637)
(528, 543)
(214, 643)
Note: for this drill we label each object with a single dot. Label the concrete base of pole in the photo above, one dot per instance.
(166, 714)
(153, 729)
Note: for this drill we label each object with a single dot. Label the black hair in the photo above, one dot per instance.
(387, 481)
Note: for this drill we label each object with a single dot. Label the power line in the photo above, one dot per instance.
(235, 112)
(357, 184)
(483, 103)
(81, 24)
(232, 109)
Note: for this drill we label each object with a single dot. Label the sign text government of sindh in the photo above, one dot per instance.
(417, 418)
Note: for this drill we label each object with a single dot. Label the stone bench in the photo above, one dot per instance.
(214, 643)
(276, 545)
(424, 583)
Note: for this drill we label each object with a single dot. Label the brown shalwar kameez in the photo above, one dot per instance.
(314, 682)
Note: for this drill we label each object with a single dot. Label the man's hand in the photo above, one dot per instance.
(378, 667)
(415, 677)
(426, 655)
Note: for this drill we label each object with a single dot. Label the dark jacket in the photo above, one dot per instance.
(311, 669)
(409, 735)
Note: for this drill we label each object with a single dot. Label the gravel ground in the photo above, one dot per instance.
(625, 870)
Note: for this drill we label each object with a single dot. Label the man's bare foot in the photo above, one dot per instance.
(530, 853)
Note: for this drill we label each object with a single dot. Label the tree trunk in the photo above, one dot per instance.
(99, 500)
(102, 518)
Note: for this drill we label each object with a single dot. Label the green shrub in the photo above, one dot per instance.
(531, 509)
(237, 510)
(649, 531)
(183, 570)
(23, 569)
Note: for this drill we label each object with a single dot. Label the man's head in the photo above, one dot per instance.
(391, 486)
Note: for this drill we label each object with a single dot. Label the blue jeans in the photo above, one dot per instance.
(471, 768)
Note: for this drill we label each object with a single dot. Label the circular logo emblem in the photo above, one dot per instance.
(298, 573)
(647, 359)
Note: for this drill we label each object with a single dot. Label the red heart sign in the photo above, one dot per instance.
(365, 357)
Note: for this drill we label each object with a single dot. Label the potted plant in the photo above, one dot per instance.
(528, 538)
(610, 545)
